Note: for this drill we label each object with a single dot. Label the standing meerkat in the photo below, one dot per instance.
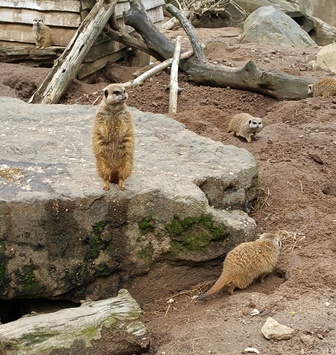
(247, 262)
(42, 34)
(113, 137)
(245, 125)
(325, 88)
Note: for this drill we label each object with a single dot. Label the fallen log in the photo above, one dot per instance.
(12, 54)
(248, 77)
(110, 326)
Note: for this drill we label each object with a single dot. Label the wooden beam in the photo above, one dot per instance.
(55, 18)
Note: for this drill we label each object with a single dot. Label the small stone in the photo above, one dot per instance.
(274, 330)
(320, 336)
(254, 312)
(307, 340)
(327, 304)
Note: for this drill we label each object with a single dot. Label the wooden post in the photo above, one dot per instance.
(174, 77)
(67, 65)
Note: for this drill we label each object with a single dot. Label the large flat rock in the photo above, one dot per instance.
(60, 231)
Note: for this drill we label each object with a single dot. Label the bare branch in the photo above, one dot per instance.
(174, 77)
(196, 44)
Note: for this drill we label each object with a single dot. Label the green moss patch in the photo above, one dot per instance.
(194, 233)
(146, 225)
(95, 241)
(28, 279)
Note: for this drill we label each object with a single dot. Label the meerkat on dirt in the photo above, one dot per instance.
(42, 34)
(113, 137)
(245, 125)
(325, 88)
(247, 262)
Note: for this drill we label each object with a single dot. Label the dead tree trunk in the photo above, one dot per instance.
(66, 67)
(248, 77)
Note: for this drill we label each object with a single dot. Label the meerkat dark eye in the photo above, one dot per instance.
(116, 92)
(106, 92)
(250, 121)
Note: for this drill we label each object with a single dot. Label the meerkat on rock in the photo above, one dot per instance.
(42, 34)
(113, 137)
(325, 88)
(247, 262)
(245, 125)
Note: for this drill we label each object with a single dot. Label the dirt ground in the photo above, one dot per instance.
(296, 197)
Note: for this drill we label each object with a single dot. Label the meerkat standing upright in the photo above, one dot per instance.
(113, 137)
(245, 125)
(246, 262)
(325, 88)
(42, 34)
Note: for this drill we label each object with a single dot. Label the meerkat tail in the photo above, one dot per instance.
(219, 284)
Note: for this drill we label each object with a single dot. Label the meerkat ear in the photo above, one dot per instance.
(106, 92)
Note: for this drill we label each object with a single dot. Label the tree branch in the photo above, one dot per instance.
(196, 44)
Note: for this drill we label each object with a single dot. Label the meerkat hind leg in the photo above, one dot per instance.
(231, 288)
(106, 186)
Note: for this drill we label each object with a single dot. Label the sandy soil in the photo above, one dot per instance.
(296, 197)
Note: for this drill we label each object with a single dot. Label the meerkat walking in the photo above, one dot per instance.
(113, 137)
(247, 262)
(245, 125)
(42, 34)
(325, 88)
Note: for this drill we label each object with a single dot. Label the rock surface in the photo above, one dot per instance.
(267, 25)
(274, 330)
(110, 326)
(61, 231)
(326, 58)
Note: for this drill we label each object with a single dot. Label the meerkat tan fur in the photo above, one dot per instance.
(42, 34)
(113, 137)
(325, 88)
(247, 262)
(245, 125)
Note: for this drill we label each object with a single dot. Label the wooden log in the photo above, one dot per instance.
(174, 89)
(110, 326)
(249, 77)
(66, 67)
(196, 44)
(137, 17)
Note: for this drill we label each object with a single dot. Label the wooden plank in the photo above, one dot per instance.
(87, 69)
(23, 53)
(45, 5)
(102, 50)
(124, 6)
(21, 16)
(24, 34)
(156, 14)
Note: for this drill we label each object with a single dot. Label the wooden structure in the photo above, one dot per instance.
(63, 17)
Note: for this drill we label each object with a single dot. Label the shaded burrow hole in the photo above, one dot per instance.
(12, 310)
(329, 188)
